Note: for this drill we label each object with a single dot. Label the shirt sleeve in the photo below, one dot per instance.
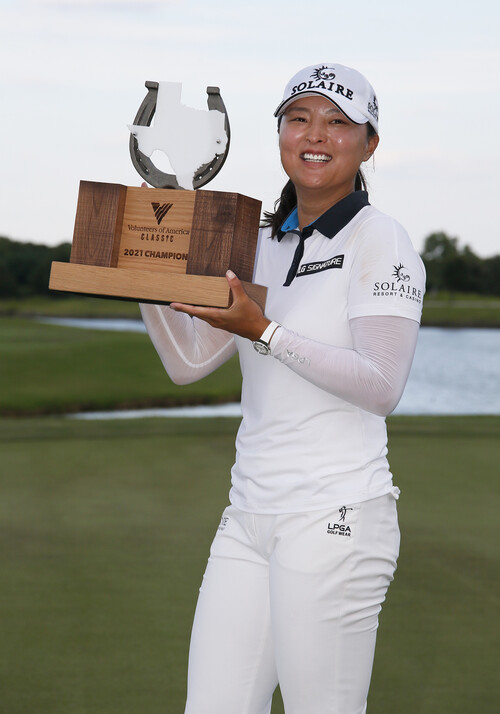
(372, 375)
(387, 274)
(189, 348)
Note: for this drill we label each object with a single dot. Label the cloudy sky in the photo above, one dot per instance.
(72, 76)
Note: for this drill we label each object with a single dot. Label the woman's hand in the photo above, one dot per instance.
(244, 318)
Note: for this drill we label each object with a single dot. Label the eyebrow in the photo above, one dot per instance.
(294, 108)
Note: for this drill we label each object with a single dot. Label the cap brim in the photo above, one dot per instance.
(353, 114)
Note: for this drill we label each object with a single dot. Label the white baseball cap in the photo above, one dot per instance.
(343, 86)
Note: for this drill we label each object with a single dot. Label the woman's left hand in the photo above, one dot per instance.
(244, 317)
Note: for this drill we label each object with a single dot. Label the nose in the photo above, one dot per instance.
(316, 133)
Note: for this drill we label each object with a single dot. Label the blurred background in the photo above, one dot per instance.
(72, 76)
(105, 515)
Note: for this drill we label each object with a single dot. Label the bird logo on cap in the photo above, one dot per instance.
(323, 72)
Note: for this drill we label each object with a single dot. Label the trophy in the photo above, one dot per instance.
(173, 242)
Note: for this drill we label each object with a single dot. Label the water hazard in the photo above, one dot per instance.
(455, 371)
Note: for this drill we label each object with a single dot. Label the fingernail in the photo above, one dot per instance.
(230, 274)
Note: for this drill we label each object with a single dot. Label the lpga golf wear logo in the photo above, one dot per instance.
(343, 512)
(340, 529)
(223, 523)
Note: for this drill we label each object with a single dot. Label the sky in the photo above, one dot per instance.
(72, 75)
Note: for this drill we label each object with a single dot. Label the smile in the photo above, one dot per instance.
(317, 158)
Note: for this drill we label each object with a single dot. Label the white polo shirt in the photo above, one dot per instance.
(300, 448)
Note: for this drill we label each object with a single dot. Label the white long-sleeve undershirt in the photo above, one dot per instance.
(372, 375)
(189, 348)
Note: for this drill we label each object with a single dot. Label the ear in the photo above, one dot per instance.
(371, 145)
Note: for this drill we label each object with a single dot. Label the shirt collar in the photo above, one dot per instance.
(330, 222)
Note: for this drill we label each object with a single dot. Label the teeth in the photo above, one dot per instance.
(316, 157)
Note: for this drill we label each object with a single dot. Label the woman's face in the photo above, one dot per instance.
(321, 149)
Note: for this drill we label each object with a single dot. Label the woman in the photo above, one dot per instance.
(305, 552)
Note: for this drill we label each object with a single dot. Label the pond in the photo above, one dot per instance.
(455, 371)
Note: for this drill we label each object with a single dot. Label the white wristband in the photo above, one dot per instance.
(268, 333)
(262, 344)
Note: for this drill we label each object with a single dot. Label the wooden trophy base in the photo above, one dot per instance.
(160, 245)
(144, 286)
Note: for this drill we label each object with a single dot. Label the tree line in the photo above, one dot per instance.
(458, 269)
(25, 267)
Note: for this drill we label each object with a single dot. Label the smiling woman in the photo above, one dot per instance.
(304, 554)
(321, 151)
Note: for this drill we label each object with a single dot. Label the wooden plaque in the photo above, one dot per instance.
(160, 245)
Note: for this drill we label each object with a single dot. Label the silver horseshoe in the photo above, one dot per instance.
(144, 165)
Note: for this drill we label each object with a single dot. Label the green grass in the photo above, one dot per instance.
(440, 629)
(461, 310)
(105, 529)
(53, 369)
(68, 306)
(105, 532)
(440, 309)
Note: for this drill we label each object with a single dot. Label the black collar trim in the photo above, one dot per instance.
(335, 218)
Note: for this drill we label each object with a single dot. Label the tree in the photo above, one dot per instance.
(439, 249)
(492, 275)
(450, 267)
(25, 267)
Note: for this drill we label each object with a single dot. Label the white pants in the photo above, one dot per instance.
(292, 599)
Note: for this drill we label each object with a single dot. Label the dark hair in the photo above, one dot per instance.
(287, 201)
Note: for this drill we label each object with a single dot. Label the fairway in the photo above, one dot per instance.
(106, 528)
(48, 369)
